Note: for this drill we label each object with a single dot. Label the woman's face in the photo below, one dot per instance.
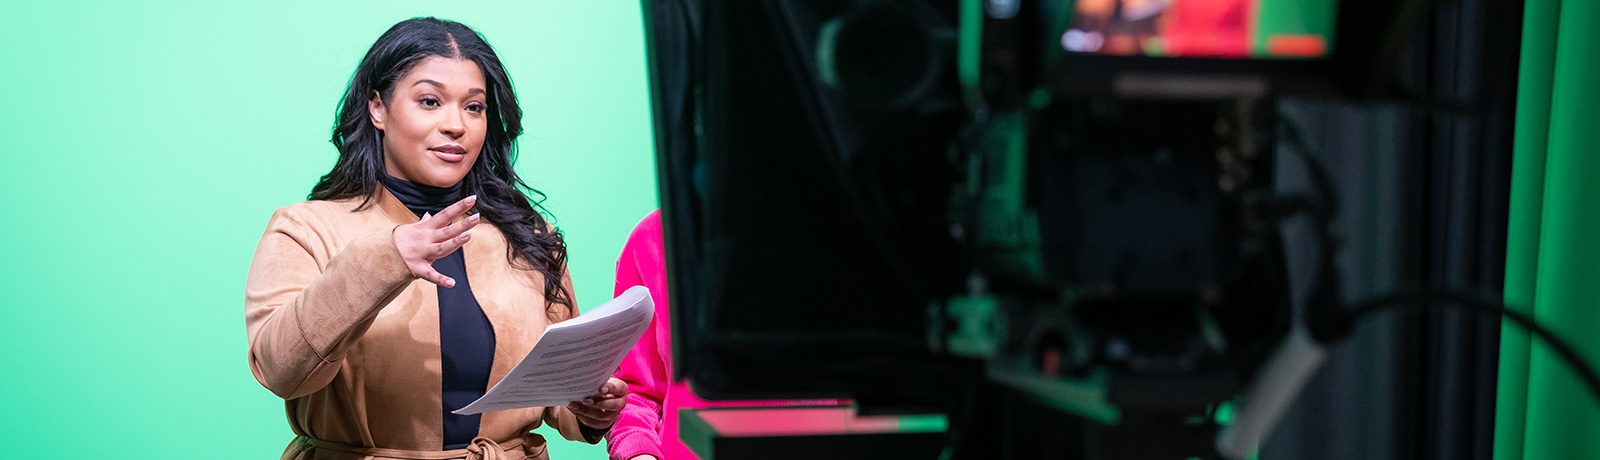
(434, 124)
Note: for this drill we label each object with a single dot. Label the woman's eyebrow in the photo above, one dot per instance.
(441, 86)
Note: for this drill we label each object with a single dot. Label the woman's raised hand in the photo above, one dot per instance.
(434, 237)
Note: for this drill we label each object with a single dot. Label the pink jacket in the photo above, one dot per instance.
(649, 425)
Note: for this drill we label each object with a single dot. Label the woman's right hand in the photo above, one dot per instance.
(434, 237)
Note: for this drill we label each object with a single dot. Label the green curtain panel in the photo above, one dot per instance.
(1543, 411)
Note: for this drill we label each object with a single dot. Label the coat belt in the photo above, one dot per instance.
(481, 448)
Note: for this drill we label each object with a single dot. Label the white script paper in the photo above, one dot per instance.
(573, 357)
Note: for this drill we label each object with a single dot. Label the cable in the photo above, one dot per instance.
(1424, 298)
(1321, 181)
(1325, 316)
(1330, 322)
(953, 440)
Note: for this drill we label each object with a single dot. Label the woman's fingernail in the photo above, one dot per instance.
(466, 234)
(476, 216)
(471, 198)
(588, 401)
(449, 283)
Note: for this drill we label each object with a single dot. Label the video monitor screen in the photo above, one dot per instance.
(1239, 29)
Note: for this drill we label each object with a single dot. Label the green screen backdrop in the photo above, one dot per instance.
(146, 144)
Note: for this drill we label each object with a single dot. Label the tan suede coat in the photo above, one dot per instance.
(341, 330)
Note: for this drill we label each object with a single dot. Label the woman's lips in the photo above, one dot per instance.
(449, 155)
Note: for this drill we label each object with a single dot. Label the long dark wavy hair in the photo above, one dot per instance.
(534, 244)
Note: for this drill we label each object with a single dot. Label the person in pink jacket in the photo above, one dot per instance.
(647, 427)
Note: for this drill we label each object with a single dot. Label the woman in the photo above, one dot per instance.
(383, 303)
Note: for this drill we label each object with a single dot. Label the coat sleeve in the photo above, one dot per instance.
(639, 427)
(301, 318)
(638, 430)
(570, 428)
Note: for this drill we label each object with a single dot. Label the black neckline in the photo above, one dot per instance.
(421, 198)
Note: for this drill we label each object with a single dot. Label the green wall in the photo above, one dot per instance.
(146, 143)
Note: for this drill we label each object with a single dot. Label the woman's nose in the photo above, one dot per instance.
(453, 124)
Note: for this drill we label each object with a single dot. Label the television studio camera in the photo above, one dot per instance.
(1005, 211)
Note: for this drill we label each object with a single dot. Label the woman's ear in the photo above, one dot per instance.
(375, 110)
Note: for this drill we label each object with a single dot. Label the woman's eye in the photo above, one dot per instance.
(429, 102)
(475, 108)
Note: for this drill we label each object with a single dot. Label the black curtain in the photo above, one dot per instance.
(1425, 183)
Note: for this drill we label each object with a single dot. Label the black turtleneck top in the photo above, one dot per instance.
(466, 339)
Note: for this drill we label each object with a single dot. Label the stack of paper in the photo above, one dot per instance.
(573, 358)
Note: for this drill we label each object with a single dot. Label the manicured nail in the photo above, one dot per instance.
(588, 401)
(471, 198)
(449, 282)
(466, 234)
(475, 217)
